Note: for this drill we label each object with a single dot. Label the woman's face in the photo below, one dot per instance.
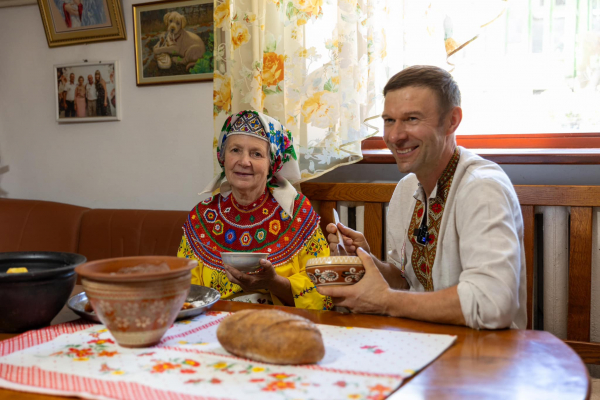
(97, 76)
(246, 162)
(80, 80)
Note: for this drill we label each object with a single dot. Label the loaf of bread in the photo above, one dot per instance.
(271, 336)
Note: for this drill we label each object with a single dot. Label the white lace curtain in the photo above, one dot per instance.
(319, 66)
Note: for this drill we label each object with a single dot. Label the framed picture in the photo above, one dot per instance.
(68, 22)
(174, 41)
(87, 92)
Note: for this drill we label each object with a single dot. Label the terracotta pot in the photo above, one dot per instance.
(137, 308)
(339, 270)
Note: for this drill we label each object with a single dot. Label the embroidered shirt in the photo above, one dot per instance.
(479, 244)
(220, 224)
(423, 256)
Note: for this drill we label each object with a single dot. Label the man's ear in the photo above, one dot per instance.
(454, 118)
(166, 18)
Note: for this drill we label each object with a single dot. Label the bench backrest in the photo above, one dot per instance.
(581, 199)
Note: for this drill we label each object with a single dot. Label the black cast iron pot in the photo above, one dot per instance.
(31, 300)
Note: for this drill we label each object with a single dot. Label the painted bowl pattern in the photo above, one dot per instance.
(137, 308)
(339, 270)
(138, 314)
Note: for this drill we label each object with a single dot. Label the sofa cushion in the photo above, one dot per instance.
(122, 233)
(32, 225)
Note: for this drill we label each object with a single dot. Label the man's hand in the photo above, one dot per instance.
(368, 296)
(352, 239)
(262, 279)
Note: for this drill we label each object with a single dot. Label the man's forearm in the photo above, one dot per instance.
(442, 306)
(391, 274)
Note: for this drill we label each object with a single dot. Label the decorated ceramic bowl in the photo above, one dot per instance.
(137, 298)
(244, 262)
(338, 270)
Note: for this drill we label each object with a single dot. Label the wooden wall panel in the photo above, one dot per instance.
(529, 228)
(580, 274)
(372, 192)
(374, 227)
(326, 212)
(540, 195)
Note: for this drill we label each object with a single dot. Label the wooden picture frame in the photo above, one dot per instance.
(98, 78)
(174, 41)
(69, 22)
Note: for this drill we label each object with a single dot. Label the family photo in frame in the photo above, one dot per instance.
(87, 92)
(174, 41)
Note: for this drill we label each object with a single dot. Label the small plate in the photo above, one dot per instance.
(197, 293)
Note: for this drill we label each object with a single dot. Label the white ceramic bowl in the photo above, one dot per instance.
(244, 262)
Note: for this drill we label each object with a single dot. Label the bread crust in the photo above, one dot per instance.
(271, 336)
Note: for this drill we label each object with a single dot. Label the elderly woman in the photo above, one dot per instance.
(256, 210)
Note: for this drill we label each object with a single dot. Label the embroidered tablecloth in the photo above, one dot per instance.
(189, 363)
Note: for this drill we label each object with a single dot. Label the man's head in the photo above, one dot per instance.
(421, 113)
(90, 79)
(72, 77)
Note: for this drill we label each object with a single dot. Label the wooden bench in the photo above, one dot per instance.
(581, 199)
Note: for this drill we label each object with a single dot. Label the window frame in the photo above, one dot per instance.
(533, 148)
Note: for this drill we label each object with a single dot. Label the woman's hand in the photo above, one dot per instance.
(352, 239)
(266, 278)
(262, 279)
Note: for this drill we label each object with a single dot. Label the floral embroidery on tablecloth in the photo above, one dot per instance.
(178, 367)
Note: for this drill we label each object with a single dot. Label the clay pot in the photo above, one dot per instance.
(137, 308)
(338, 270)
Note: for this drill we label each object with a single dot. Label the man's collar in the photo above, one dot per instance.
(444, 178)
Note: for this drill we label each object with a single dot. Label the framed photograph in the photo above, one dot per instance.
(174, 41)
(68, 22)
(87, 92)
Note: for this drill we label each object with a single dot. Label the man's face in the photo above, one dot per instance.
(412, 130)
(72, 77)
(90, 79)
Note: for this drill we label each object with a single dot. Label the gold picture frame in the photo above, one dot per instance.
(174, 41)
(69, 22)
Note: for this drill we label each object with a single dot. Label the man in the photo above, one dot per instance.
(69, 90)
(91, 95)
(455, 230)
(62, 105)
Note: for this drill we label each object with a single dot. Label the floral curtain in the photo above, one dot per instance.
(319, 66)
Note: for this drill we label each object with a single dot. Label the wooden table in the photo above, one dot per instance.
(505, 364)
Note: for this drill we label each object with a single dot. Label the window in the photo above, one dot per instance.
(531, 80)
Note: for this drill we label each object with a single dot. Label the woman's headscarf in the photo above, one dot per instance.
(284, 170)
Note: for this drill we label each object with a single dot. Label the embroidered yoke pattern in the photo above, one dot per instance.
(219, 224)
(423, 256)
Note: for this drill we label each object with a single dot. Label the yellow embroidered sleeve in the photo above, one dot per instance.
(185, 251)
(304, 291)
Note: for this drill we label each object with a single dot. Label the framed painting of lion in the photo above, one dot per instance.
(174, 41)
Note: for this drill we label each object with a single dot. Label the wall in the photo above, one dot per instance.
(158, 156)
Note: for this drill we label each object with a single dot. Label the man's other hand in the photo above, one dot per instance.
(369, 296)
